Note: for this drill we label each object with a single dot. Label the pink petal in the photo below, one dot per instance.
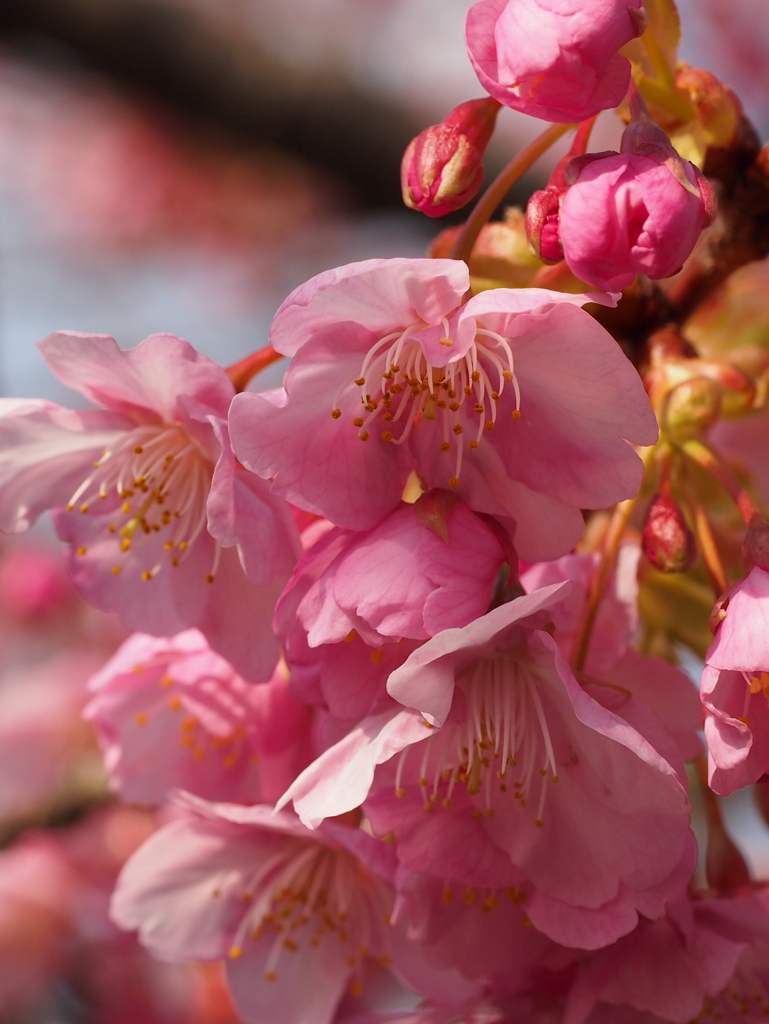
(383, 295)
(153, 378)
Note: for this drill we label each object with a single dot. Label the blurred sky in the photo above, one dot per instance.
(112, 221)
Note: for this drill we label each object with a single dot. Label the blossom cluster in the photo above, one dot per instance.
(399, 673)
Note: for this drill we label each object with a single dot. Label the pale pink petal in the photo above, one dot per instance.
(45, 454)
(383, 294)
(339, 780)
(318, 462)
(243, 511)
(152, 378)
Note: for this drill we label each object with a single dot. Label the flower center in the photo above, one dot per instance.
(399, 383)
(155, 482)
(503, 745)
(309, 893)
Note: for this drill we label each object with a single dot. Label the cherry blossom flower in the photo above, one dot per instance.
(517, 400)
(554, 59)
(704, 959)
(301, 916)
(510, 774)
(170, 713)
(147, 494)
(735, 688)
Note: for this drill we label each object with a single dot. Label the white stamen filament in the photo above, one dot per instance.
(159, 479)
(505, 739)
(398, 383)
(307, 893)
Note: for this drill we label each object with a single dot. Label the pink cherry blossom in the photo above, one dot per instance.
(299, 915)
(705, 957)
(509, 773)
(517, 400)
(554, 59)
(170, 713)
(148, 495)
(735, 688)
(628, 214)
(434, 564)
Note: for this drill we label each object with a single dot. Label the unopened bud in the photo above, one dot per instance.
(643, 137)
(442, 168)
(542, 214)
(690, 408)
(667, 541)
(736, 389)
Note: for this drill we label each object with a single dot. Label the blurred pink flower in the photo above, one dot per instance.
(517, 400)
(554, 59)
(170, 713)
(32, 582)
(148, 495)
(302, 916)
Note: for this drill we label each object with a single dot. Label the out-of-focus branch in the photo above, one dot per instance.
(191, 60)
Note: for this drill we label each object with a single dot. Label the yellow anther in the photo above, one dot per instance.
(146, 576)
(112, 529)
(445, 446)
(199, 754)
(538, 823)
(358, 421)
(360, 381)
(387, 435)
(117, 569)
(454, 482)
(507, 375)
(235, 952)
(377, 656)
(138, 449)
(230, 761)
(125, 545)
(81, 550)
(350, 636)
(175, 704)
(363, 436)
(470, 896)
(209, 577)
(125, 507)
(475, 375)
(84, 508)
(448, 342)
(458, 428)
(336, 413)
(473, 444)
(140, 718)
(400, 793)
(516, 414)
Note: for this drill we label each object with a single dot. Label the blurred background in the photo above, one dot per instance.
(180, 165)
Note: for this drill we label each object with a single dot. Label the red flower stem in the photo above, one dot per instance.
(707, 459)
(501, 185)
(244, 371)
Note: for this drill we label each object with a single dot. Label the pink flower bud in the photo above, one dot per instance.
(631, 213)
(442, 168)
(554, 59)
(667, 541)
(542, 220)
